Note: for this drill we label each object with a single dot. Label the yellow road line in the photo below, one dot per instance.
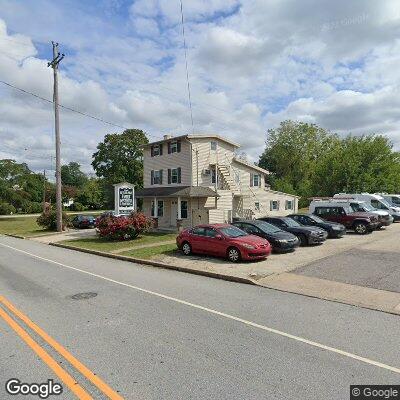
(60, 349)
(51, 363)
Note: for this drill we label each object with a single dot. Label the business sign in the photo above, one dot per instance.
(124, 198)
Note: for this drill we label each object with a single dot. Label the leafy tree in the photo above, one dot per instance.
(92, 195)
(71, 175)
(120, 157)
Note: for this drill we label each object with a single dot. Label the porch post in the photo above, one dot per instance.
(179, 208)
(155, 207)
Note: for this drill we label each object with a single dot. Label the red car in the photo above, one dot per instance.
(223, 240)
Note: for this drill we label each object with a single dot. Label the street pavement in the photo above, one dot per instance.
(151, 333)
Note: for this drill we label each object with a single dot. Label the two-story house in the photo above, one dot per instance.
(193, 179)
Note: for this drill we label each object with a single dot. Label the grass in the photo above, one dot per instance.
(149, 252)
(101, 244)
(24, 226)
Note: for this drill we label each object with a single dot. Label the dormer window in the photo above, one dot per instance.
(213, 145)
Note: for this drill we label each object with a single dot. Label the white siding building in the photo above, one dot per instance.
(195, 179)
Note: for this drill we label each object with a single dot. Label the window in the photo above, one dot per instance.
(174, 175)
(184, 209)
(210, 232)
(213, 145)
(160, 208)
(174, 146)
(255, 180)
(156, 150)
(274, 205)
(199, 231)
(289, 205)
(213, 175)
(257, 206)
(156, 177)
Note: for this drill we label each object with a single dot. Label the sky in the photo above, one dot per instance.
(252, 64)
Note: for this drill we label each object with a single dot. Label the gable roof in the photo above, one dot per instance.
(247, 164)
(194, 136)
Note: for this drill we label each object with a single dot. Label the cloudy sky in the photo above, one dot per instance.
(252, 64)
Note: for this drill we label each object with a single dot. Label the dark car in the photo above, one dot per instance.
(223, 240)
(280, 240)
(334, 229)
(306, 234)
(83, 221)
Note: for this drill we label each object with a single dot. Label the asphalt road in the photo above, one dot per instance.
(158, 334)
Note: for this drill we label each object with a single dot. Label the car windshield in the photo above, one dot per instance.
(233, 232)
(317, 219)
(267, 228)
(361, 207)
(290, 222)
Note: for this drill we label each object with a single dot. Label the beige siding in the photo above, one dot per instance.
(166, 161)
(203, 157)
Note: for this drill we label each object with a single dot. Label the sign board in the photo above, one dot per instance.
(124, 196)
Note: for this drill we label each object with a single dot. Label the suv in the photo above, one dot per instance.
(340, 211)
(385, 219)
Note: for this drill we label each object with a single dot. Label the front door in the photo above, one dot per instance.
(174, 212)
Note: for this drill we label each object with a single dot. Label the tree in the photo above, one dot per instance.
(92, 195)
(71, 175)
(120, 157)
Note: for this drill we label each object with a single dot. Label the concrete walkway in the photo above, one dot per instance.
(68, 235)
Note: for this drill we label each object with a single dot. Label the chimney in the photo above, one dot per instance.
(166, 137)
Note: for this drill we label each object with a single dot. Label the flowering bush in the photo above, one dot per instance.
(122, 227)
(49, 220)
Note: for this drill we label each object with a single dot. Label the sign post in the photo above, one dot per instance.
(124, 198)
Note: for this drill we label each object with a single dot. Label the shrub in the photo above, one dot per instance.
(76, 206)
(33, 207)
(6, 209)
(49, 220)
(123, 227)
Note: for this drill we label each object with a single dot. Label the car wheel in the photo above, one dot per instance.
(303, 240)
(186, 249)
(233, 254)
(361, 228)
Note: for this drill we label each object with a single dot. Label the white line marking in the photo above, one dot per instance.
(221, 314)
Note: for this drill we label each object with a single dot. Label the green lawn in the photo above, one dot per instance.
(106, 245)
(24, 226)
(149, 252)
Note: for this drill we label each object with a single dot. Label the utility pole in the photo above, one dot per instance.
(57, 57)
(44, 191)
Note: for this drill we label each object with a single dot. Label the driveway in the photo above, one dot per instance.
(68, 235)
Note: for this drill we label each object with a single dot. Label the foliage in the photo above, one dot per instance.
(48, 220)
(120, 157)
(6, 209)
(33, 207)
(92, 194)
(309, 161)
(71, 175)
(76, 206)
(123, 227)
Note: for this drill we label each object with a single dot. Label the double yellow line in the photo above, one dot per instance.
(68, 380)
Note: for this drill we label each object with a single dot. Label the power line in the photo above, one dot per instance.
(186, 64)
(68, 108)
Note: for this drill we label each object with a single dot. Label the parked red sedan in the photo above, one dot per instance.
(223, 240)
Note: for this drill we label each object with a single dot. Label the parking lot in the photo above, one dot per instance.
(356, 269)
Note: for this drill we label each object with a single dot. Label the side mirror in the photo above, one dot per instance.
(219, 237)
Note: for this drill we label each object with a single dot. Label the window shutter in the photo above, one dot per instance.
(152, 151)
(179, 174)
(161, 174)
(259, 180)
(178, 145)
(279, 205)
(160, 147)
(152, 177)
(251, 179)
(270, 205)
(169, 176)
(169, 147)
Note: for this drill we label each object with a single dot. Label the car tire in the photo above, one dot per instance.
(186, 249)
(303, 240)
(233, 254)
(361, 228)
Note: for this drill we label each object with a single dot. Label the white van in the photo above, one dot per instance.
(374, 200)
(392, 199)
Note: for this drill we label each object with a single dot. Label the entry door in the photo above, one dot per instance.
(174, 212)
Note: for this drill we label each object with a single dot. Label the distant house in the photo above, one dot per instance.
(195, 179)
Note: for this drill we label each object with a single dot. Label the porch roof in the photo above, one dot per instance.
(177, 191)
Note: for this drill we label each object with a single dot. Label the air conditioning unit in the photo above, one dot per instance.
(206, 172)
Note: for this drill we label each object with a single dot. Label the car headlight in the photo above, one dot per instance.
(282, 241)
(337, 228)
(314, 233)
(248, 246)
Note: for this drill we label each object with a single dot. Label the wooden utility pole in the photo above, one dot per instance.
(57, 57)
(44, 191)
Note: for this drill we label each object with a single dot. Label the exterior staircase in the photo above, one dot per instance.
(225, 171)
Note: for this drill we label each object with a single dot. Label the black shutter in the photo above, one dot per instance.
(160, 146)
(152, 151)
(169, 176)
(251, 180)
(152, 178)
(161, 173)
(178, 146)
(179, 174)
(169, 147)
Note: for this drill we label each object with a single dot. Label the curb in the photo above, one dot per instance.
(158, 264)
(14, 236)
